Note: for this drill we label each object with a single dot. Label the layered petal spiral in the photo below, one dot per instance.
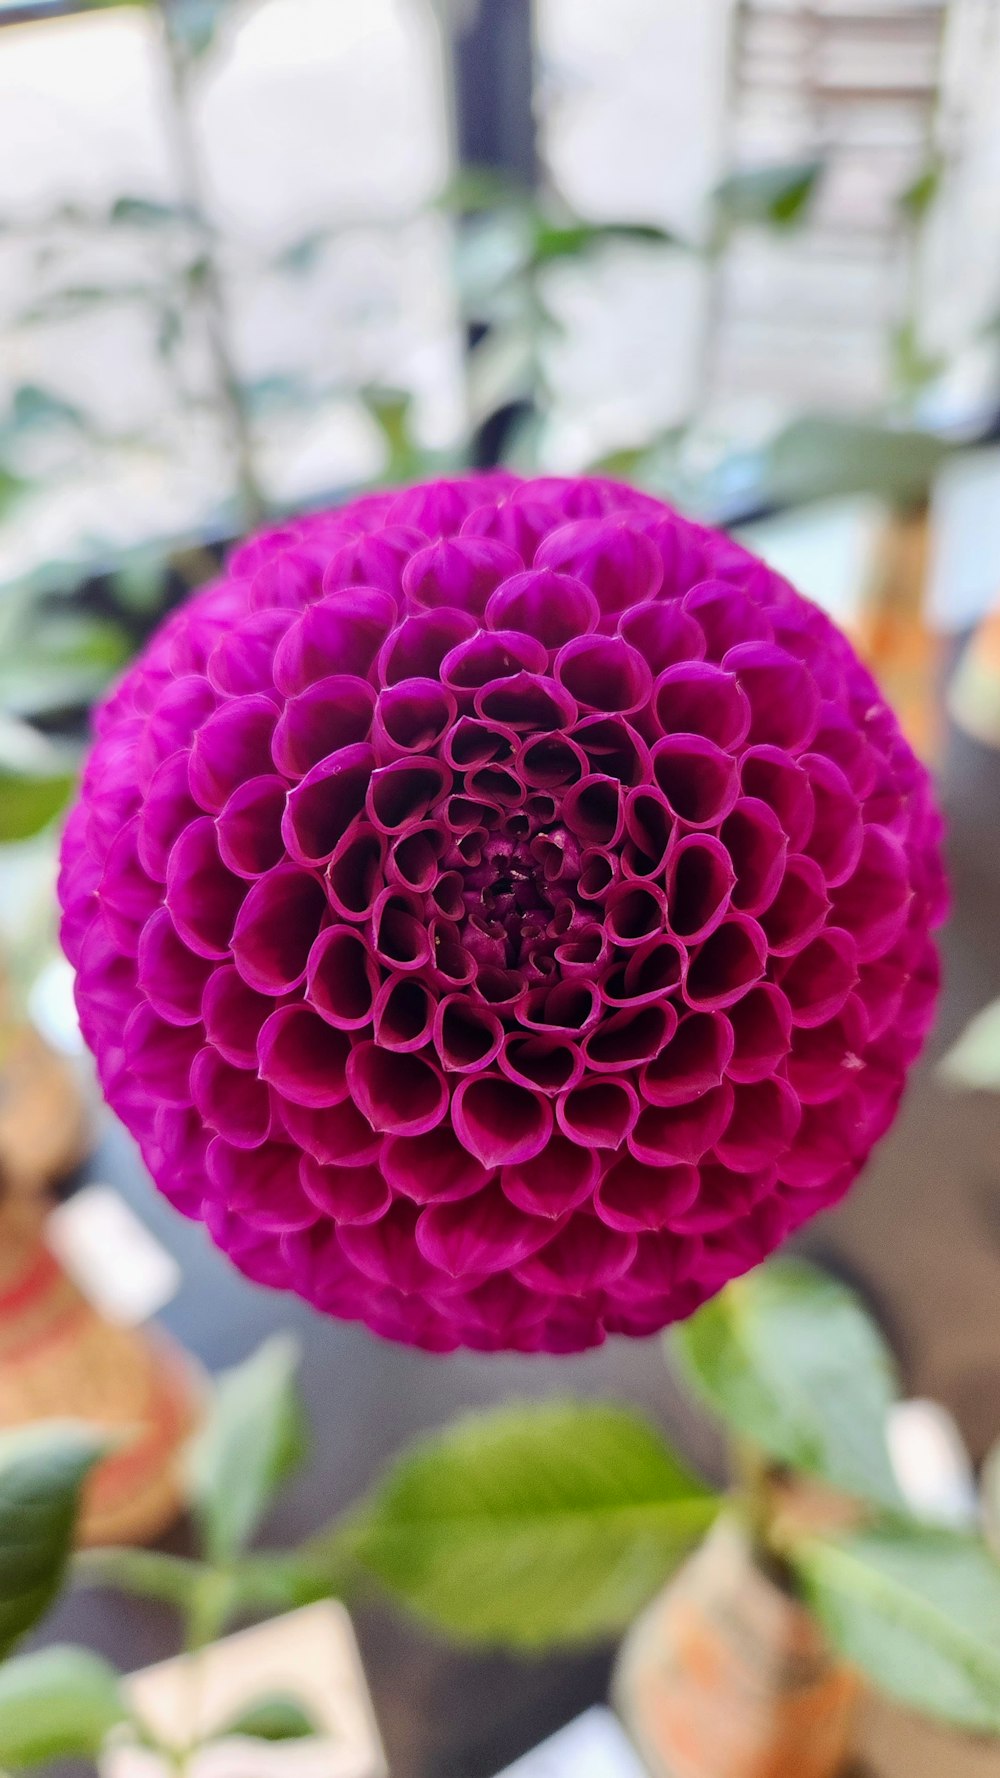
(501, 911)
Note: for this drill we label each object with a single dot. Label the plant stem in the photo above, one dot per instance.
(252, 502)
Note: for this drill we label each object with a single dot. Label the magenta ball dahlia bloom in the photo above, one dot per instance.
(501, 911)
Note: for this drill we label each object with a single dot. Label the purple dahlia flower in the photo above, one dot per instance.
(501, 911)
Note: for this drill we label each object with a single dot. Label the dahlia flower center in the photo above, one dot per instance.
(516, 909)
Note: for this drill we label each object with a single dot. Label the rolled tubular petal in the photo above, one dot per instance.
(321, 808)
(342, 978)
(699, 780)
(275, 929)
(329, 715)
(303, 1058)
(502, 911)
(500, 1122)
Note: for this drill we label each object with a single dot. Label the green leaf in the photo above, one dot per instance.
(974, 1060)
(573, 239)
(303, 255)
(913, 366)
(60, 1703)
(483, 188)
(194, 24)
(276, 393)
(275, 1580)
(29, 802)
(78, 299)
(148, 1574)
(820, 455)
(917, 198)
(253, 1439)
(129, 211)
(276, 1717)
(392, 411)
(169, 330)
(34, 409)
(12, 489)
(60, 661)
(493, 253)
(918, 1611)
(767, 197)
(42, 1472)
(139, 583)
(788, 1359)
(533, 1524)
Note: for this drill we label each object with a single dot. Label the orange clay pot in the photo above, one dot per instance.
(60, 1359)
(727, 1676)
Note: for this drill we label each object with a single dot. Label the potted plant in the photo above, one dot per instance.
(755, 1615)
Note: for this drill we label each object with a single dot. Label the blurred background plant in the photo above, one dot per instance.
(258, 254)
(523, 257)
(533, 1526)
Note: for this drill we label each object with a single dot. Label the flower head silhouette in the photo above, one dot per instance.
(501, 911)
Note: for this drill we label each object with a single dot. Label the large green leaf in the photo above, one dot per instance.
(42, 1471)
(819, 455)
(60, 1703)
(252, 1440)
(532, 1525)
(974, 1059)
(788, 1358)
(918, 1611)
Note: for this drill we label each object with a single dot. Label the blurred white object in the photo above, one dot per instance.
(965, 561)
(826, 549)
(932, 1464)
(53, 1009)
(594, 1746)
(309, 1656)
(111, 1256)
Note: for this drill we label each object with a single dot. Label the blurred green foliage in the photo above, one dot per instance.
(538, 1524)
(554, 1522)
(68, 628)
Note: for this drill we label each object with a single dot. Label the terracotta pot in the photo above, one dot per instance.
(727, 1676)
(60, 1359)
(892, 633)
